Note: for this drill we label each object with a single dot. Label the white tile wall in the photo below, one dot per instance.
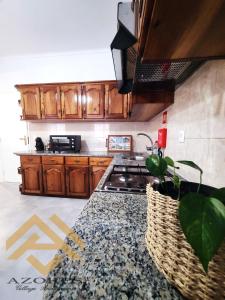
(199, 110)
(93, 134)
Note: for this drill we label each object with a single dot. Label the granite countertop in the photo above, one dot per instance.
(82, 153)
(115, 263)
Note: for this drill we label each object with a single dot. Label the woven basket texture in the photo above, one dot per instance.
(175, 258)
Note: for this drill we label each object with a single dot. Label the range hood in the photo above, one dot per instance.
(130, 72)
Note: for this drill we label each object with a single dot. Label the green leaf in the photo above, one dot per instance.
(169, 161)
(156, 165)
(220, 195)
(190, 164)
(176, 181)
(203, 222)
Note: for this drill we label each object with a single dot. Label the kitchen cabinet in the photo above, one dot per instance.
(31, 172)
(96, 175)
(74, 102)
(171, 30)
(116, 105)
(93, 101)
(100, 161)
(98, 168)
(71, 100)
(50, 102)
(30, 103)
(64, 176)
(54, 180)
(77, 181)
(146, 105)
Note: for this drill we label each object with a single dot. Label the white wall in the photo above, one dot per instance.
(77, 66)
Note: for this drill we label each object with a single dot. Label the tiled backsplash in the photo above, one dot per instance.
(199, 111)
(93, 134)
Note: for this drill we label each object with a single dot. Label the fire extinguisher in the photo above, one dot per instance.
(162, 136)
(162, 133)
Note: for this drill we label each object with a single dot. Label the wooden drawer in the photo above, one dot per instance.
(76, 160)
(100, 161)
(30, 159)
(52, 160)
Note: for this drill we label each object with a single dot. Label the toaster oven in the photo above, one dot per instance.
(65, 143)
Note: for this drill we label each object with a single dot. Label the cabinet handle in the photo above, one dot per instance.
(101, 161)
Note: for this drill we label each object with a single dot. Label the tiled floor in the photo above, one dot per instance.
(15, 210)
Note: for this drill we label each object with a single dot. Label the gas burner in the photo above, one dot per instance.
(128, 179)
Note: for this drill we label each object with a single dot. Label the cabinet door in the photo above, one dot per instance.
(50, 102)
(93, 101)
(116, 105)
(71, 102)
(96, 175)
(77, 181)
(54, 180)
(32, 179)
(31, 104)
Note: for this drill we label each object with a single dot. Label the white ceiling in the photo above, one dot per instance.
(44, 26)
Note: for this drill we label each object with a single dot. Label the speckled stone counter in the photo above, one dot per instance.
(63, 153)
(115, 263)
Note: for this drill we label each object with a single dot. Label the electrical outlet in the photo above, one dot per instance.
(181, 136)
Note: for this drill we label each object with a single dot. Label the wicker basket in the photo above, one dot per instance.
(174, 257)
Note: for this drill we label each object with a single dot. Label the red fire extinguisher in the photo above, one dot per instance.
(162, 136)
(162, 133)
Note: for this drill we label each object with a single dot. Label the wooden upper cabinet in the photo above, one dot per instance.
(77, 181)
(71, 101)
(180, 29)
(116, 105)
(74, 101)
(93, 101)
(30, 102)
(50, 102)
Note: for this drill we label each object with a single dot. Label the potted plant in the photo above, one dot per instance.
(186, 230)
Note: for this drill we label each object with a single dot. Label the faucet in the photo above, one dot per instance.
(150, 139)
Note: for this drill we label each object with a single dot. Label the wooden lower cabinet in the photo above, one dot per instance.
(32, 178)
(96, 175)
(62, 176)
(54, 180)
(77, 181)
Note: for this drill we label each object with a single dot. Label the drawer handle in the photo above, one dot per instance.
(102, 161)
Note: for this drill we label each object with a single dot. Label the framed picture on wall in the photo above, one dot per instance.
(120, 143)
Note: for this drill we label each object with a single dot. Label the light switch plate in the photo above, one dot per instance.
(181, 136)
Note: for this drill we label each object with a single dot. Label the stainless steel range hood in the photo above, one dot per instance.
(130, 72)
